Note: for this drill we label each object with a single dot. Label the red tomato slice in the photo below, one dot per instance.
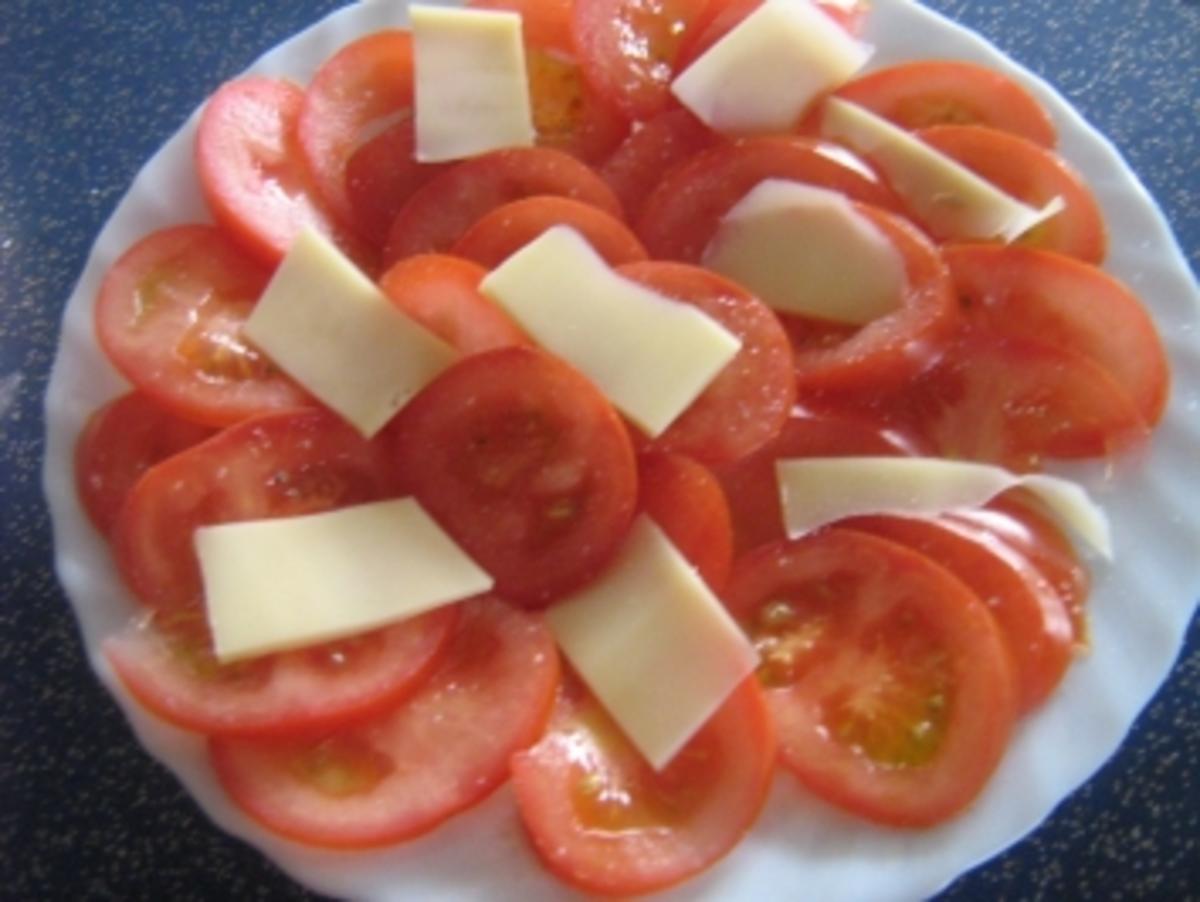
(567, 114)
(280, 465)
(525, 464)
(604, 821)
(752, 488)
(509, 228)
(167, 662)
(1034, 621)
(685, 499)
(653, 148)
(1025, 293)
(745, 406)
(120, 442)
(1034, 175)
(252, 171)
(891, 687)
(838, 358)
(682, 215)
(442, 294)
(169, 316)
(439, 213)
(544, 23)
(627, 49)
(359, 91)
(946, 92)
(403, 773)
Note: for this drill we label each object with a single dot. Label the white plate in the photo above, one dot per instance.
(1140, 607)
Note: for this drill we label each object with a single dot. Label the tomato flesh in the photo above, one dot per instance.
(685, 499)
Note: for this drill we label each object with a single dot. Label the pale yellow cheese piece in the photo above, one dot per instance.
(806, 250)
(763, 74)
(653, 643)
(947, 196)
(650, 355)
(274, 585)
(332, 330)
(471, 86)
(817, 491)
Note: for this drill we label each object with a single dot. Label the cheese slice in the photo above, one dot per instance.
(653, 643)
(332, 330)
(946, 196)
(763, 74)
(273, 585)
(807, 250)
(652, 356)
(816, 491)
(472, 88)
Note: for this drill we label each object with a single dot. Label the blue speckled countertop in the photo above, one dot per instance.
(89, 91)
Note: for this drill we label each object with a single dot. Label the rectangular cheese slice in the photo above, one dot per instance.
(653, 644)
(947, 197)
(273, 585)
(331, 329)
(764, 73)
(652, 356)
(472, 89)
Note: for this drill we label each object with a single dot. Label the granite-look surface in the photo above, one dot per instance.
(89, 91)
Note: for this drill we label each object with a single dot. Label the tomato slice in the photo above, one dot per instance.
(949, 92)
(442, 294)
(280, 465)
(605, 822)
(833, 357)
(169, 316)
(399, 775)
(682, 215)
(525, 464)
(628, 48)
(752, 488)
(685, 499)
(544, 23)
(120, 442)
(168, 663)
(439, 213)
(891, 687)
(1034, 175)
(510, 227)
(1035, 623)
(252, 172)
(744, 407)
(1038, 295)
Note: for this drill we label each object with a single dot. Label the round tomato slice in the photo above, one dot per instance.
(401, 774)
(627, 49)
(442, 294)
(1035, 623)
(280, 465)
(525, 464)
(567, 114)
(1038, 295)
(685, 499)
(682, 215)
(946, 92)
(167, 662)
(120, 442)
(439, 213)
(752, 488)
(891, 687)
(745, 406)
(169, 316)
(604, 821)
(509, 228)
(253, 175)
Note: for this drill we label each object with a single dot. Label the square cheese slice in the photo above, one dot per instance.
(654, 644)
(273, 585)
(650, 355)
(331, 329)
(472, 88)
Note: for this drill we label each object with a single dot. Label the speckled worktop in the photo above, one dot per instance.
(89, 90)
